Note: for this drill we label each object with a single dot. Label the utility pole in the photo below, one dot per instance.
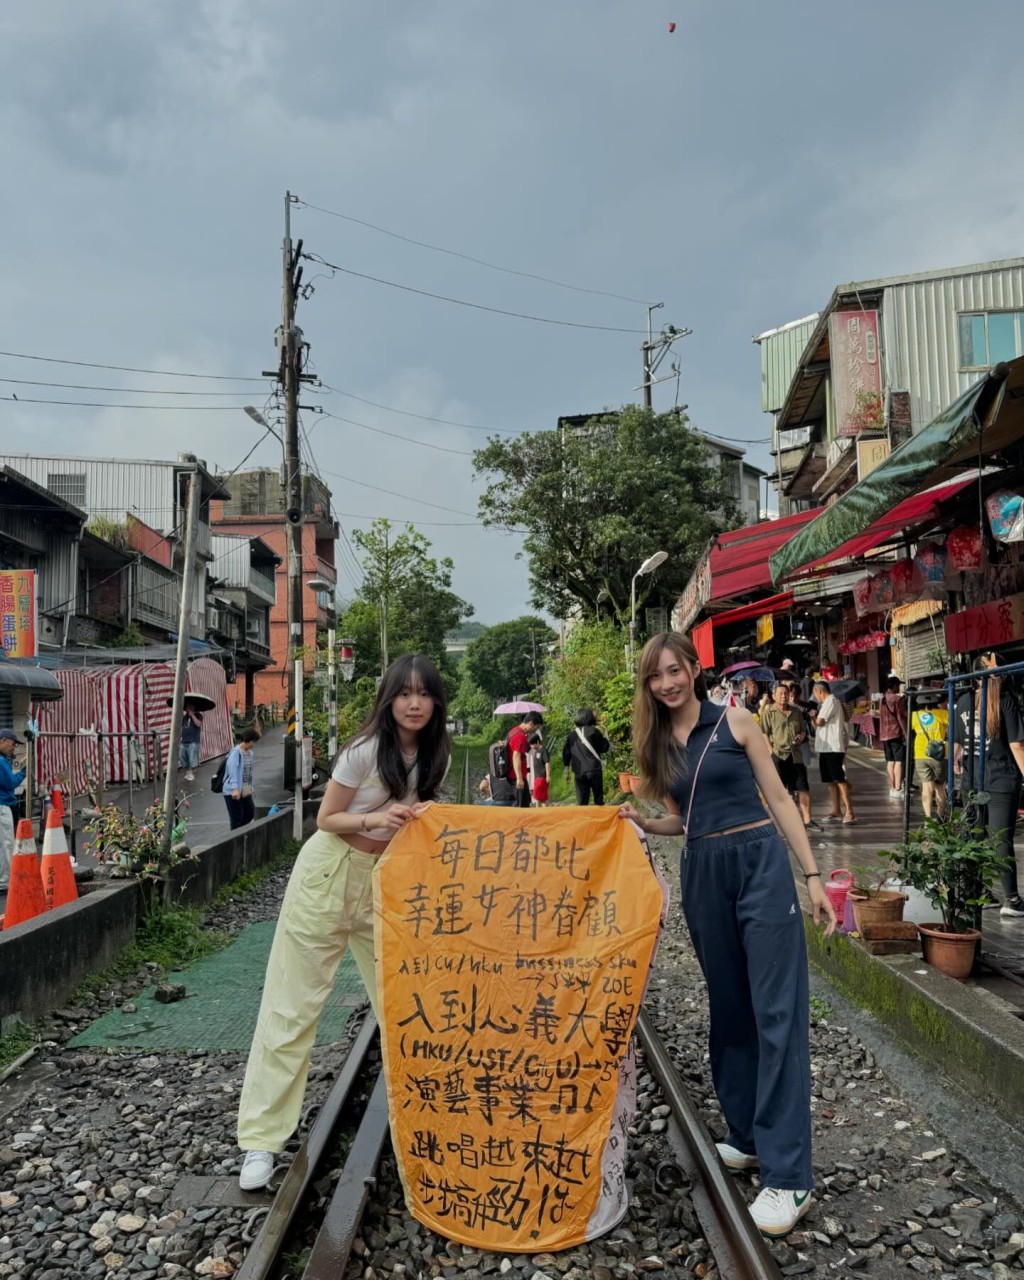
(332, 698)
(289, 342)
(385, 592)
(654, 351)
(184, 636)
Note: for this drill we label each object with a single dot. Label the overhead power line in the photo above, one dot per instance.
(391, 493)
(124, 391)
(98, 404)
(427, 444)
(462, 302)
(126, 368)
(466, 257)
(423, 417)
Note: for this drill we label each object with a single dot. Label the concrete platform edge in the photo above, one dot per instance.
(45, 960)
(964, 1031)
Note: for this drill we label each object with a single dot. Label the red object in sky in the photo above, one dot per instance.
(671, 26)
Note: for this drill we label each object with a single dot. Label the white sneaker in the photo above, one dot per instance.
(733, 1158)
(1013, 907)
(777, 1212)
(896, 793)
(190, 776)
(257, 1170)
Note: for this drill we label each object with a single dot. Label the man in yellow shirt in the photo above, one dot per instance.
(930, 727)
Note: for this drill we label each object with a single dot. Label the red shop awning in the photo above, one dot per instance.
(770, 604)
(739, 559)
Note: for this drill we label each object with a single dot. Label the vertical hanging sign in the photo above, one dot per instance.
(513, 949)
(856, 371)
(18, 613)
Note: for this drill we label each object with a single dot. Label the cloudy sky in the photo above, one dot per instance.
(737, 170)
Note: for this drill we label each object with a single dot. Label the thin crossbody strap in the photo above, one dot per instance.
(588, 744)
(696, 772)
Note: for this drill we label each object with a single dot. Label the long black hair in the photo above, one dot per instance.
(432, 746)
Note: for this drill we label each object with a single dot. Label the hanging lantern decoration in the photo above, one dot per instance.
(346, 659)
(907, 581)
(964, 546)
(931, 560)
(862, 596)
(1005, 511)
(882, 589)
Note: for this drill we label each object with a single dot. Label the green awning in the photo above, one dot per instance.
(985, 419)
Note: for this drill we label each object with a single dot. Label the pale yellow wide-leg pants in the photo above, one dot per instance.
(327, 907)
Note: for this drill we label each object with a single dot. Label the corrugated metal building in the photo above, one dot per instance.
(937, 332)
(153, 490)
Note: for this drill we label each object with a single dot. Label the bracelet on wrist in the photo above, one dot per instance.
(809, 875)
(363, 825)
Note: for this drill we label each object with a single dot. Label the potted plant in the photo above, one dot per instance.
(952, 863)
(133, 846)
(872, 902)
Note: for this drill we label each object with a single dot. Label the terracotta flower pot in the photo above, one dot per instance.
(879, 908)
(628, 782)
(950, 953)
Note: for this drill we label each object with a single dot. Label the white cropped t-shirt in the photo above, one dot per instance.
(357, 767)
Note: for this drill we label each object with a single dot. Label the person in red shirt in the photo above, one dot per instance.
(892, 732)
(518, 746)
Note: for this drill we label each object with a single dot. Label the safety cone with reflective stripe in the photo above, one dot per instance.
(58, 875)
(25, 897)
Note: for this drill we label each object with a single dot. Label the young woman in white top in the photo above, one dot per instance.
(382, 779)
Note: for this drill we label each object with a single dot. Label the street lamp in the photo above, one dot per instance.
(648, 566)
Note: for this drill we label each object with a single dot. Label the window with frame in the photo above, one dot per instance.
(69, 485)
(986, 337)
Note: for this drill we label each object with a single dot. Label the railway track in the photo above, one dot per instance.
(739, 1251)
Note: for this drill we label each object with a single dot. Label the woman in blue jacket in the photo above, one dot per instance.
(238, 789)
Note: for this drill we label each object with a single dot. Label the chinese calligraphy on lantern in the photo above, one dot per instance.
(513, 949)
(18, 613)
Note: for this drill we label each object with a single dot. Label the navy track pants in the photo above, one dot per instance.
(747, 928)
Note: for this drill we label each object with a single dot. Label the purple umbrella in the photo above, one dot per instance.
(517, 708)
(738, 666)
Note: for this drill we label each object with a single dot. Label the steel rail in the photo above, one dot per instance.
(739, 1249)
(334, 1240)
(261, 1260)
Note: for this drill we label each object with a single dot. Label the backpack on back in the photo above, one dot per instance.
(217, 781)
(501, 759)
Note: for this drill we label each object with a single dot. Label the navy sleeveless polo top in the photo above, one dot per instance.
(727, 795)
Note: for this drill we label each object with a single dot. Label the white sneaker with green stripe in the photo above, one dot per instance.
(777, 1212)
(735, 1159)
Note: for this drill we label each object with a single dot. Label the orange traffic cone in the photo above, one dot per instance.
(58, 876)
(25, 897)
(57, 799)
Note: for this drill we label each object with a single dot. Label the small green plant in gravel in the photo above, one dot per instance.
(252, 880)
(821, 1011)
(16, 1042)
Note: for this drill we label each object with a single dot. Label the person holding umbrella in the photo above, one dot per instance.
(191, 732)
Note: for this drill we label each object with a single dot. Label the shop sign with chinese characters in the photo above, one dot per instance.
(513, 949)
(856, 371)
(18, 612)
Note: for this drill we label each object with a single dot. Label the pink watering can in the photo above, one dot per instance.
(837, 886)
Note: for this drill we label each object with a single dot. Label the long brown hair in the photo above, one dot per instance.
(993, 699)
(656, 755)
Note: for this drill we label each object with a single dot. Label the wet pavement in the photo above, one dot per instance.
(880, 826)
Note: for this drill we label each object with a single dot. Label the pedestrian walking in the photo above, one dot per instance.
(892, 733)
(783, 724)
(517, 746)
(1003, 732)
(707, 765)
(539, 765)
(830, 742)
(238, 781)
(930, 728)
(582, 753)
(191, 732)
(10, 779)
(381, 780)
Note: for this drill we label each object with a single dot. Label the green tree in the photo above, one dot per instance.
(405, 599)
(597, 500)
(471, 705)
(508, 658)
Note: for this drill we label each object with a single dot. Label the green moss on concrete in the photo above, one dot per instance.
(955, 1046)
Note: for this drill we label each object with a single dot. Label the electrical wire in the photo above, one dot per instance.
(94, 404)
(463, 453)
(127, 368)
(391, 493)
(454, 253)
(124, 391)
(462, 302)
(423, 417)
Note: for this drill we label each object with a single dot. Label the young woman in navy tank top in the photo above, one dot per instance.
(707, 764)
